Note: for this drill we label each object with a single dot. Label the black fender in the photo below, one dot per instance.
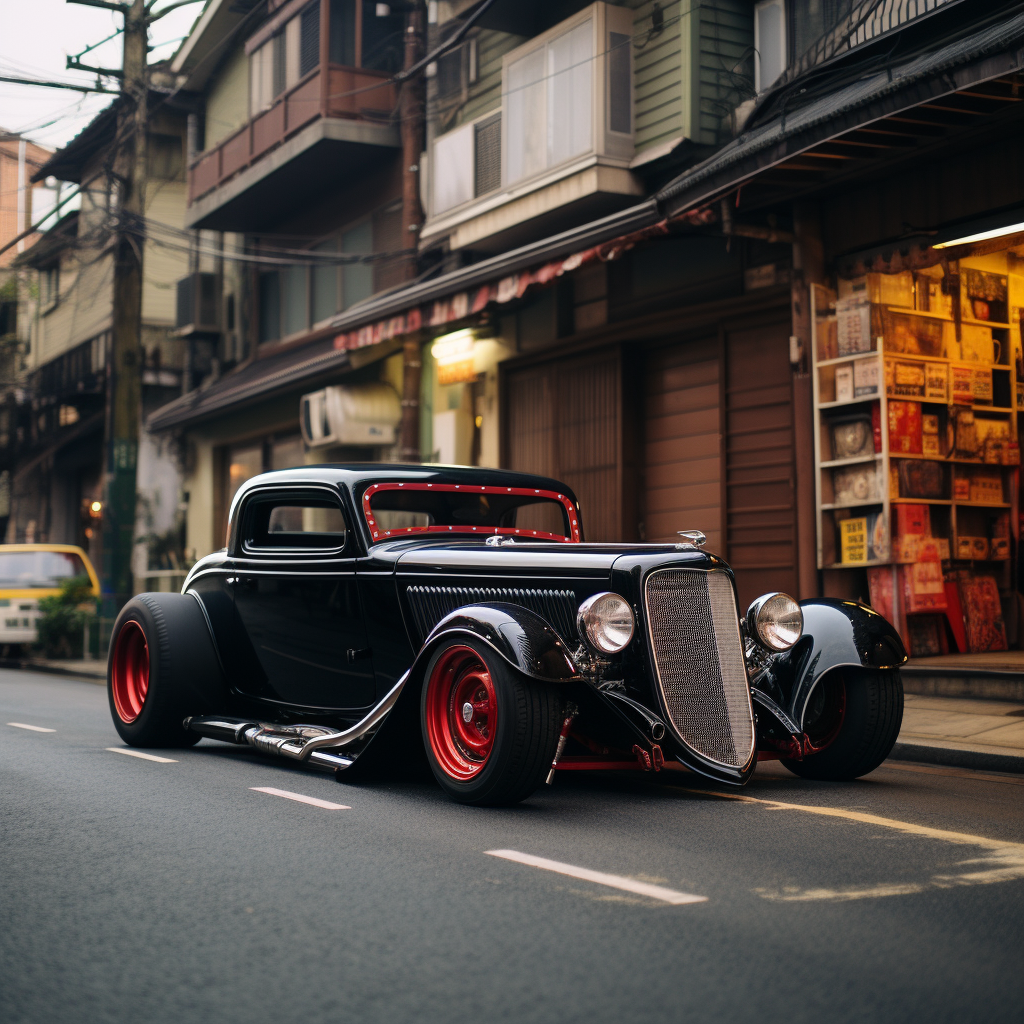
(517, 635)
(836, 634)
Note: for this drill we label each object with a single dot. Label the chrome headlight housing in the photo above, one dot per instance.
(775, 621)
(606, 623)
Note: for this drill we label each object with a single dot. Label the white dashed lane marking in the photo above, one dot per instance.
(32, 728)
(657, 892)
(301, 798)
(139, 753)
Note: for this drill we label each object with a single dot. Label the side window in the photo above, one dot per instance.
(294, 522)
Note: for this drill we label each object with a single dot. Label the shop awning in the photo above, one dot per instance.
(254, 382)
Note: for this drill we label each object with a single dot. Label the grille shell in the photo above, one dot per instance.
(693, 627)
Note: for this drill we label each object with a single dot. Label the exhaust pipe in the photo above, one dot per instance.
(312, 743)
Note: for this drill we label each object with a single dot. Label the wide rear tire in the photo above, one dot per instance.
(863, 711)
(161, 667)
(490, 733)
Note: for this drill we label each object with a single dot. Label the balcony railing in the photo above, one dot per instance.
(343, 92)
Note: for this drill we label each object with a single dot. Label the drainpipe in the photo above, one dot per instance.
(411, 108)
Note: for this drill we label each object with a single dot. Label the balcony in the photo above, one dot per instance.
(558, 150)
(327, 128)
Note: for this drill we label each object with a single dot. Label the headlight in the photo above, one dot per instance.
(776, 621)
(605, 622)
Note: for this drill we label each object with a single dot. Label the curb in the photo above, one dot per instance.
(99, 676)
(956, 757)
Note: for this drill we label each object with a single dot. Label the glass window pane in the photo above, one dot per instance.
(383, 39)
(527, 140)
(293, 300)
(343, 32)
(620, 106)
(453, 168)
(309, 42)
(38, 569)
(569, 102)
(325, 284)
(270, 306)
(357, 277)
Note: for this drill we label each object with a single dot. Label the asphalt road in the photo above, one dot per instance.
(138, 890)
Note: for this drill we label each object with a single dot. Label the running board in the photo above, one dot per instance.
(316, 744)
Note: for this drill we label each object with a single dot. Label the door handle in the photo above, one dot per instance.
(353, 655)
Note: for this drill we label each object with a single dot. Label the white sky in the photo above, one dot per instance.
(35, 39)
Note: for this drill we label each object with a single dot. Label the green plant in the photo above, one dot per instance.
(62, 624)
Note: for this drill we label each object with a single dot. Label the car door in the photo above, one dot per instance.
(296, 594)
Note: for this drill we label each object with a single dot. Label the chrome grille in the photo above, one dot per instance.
(698, 655)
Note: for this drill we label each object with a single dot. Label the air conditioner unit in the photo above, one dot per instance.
(198, 304)
(358, 414)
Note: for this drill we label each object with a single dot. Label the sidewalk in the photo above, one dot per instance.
(982, 734)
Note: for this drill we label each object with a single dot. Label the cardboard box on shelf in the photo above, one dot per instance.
(999, 549)
(923, 589)
(891, 289)
(986, 486)
(983, 613)
(913, 519)
(863, 539)
(976, 344)
(852, 436)
(865, 378)
(930, 444)
(905, 427)
(971, 548)
(853, 325)
(913, 335)
(961, 384)
(844, 383)
(981, 384)
(856, 484)
(919, 478)
(936, 381)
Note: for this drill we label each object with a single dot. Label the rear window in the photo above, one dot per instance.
(27, 570)
(294, 521)
(400, 509)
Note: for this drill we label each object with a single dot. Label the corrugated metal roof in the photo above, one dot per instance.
(990, 41)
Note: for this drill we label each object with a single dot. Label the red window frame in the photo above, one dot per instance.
(378, 534)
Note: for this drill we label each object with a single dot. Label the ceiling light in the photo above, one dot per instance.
(981, 236)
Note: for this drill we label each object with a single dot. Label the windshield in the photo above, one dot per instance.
(37, 570)
(394, 510)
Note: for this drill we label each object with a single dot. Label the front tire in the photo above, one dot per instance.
(490, 733)
(161, 667)
(862, 711)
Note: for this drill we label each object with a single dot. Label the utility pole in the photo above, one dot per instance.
(124, 378)
(411, 109)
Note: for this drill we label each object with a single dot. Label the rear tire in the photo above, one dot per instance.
(501, 752)
(871, 716)
(161, 667)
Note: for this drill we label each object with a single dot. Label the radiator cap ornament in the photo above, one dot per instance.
(694, 537)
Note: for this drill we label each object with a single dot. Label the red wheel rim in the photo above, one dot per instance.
(825, 728)
(461, 713)
(130, 671)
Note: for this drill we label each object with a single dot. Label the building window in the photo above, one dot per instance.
(49, 286)
(383, 38)
(309, 39)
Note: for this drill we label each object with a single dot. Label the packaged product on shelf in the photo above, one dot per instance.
(965, 432)
(919, 478)
(905, 427)
(853, 325)
(863, 539)
(999, 549)
(1011, 453)
(981, 384)
(986, 486)
(961, 384)
(891, 289)
(976, 344)
(904, 378)
(913, 335)
(936, 381)
(852, 436)
(961, 488)
(856, 484)
(844, 383)
(865, 378)
(923, 589)
(972, 548)
(913, 519)
(880, 584)
(986, 295)
(930, 435)
(983, 613)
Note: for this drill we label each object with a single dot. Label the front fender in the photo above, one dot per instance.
(520, 636)
(836, 634)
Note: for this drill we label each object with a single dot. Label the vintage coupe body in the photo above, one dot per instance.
(364, 617)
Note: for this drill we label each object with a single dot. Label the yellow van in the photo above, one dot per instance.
(29, 572)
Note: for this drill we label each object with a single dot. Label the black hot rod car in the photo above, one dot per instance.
(362, 616)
